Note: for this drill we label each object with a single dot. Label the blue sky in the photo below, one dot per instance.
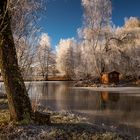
(64, 17)
(124, 8)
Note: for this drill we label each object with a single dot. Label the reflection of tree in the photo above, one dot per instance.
(34, 94)
(71, 99)
(109, 100)
(62, 96)
(44, 89)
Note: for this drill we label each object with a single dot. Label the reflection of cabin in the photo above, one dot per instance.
(106, 96)
(109, 100)
(0, 76)
(110, 77)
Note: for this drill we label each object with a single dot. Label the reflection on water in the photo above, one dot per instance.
(107, 98)
(106, 108)
(100, 107)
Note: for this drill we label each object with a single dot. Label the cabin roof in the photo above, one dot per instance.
(111, 72)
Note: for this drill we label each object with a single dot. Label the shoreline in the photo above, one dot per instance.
(113, 89)
(64, 126)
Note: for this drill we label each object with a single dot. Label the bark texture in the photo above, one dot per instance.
(18, 100)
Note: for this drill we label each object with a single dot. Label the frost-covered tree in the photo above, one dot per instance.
(124, 48)
(26, 54)
(97, 15)
(65, 57)
(128, 44)
(25, 31)
(132, 22)
(44, 54)
(18, 100)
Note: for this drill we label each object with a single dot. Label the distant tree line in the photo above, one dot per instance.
(101, 46)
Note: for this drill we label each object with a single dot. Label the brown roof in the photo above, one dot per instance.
(111, 72)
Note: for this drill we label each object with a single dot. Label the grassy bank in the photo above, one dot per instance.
(64, 126)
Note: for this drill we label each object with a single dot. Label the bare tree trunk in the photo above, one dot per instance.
(18, 100)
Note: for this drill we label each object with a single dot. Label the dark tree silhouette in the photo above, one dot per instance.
(18, 100)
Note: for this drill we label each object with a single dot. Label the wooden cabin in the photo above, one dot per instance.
(110, 77)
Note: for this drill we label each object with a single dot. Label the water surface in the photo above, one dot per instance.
(114, 109)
